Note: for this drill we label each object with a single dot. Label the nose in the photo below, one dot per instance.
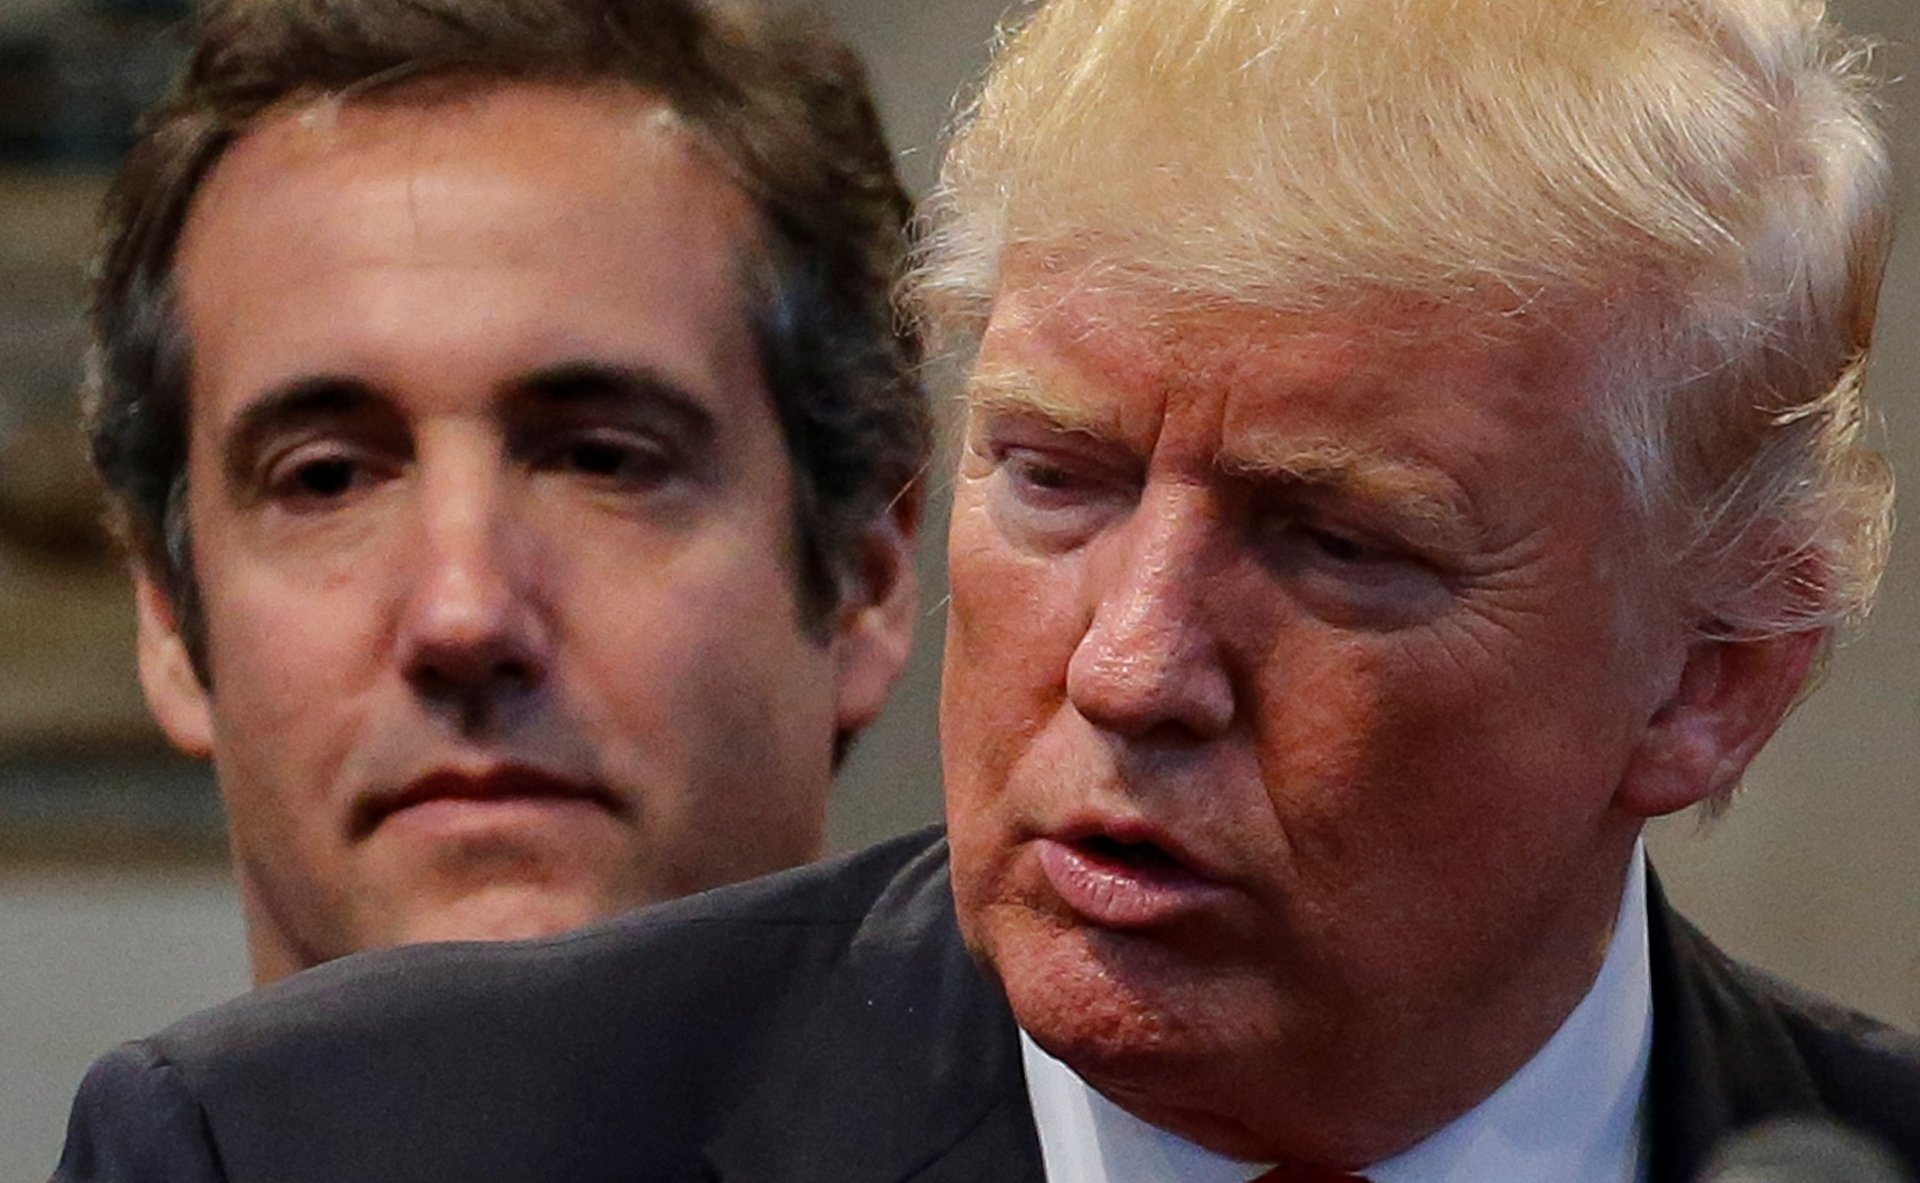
(1149, 662)
(472, 637)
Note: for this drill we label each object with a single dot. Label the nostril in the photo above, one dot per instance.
(455, 676)
(514, 676)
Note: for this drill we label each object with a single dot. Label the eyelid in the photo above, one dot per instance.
(636, 440)
(679, 451)
(1368, 548)
(1002, 431)
(1384, 540)
(1050, 490)
(1082, 477)
(277, 461)
(1386, 529)
(280, 469)
(610, 433)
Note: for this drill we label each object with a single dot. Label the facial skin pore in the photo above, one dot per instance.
(494, 523)
(1306, 686)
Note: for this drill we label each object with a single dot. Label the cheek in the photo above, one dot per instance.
(1399, 808)
(1013, 622)
(291, 668)
(698, 660)
(1007, 645)
(1365, 727)
(278, 762)
(1423, 766)
(278, 655)
(293, 621)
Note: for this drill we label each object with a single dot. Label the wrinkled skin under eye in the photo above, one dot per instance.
(1050, 490)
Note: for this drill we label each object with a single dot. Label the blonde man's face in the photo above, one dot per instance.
(1297, 691)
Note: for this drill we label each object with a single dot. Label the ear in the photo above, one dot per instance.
(873, 627)
(175, 696)
(1729, 699)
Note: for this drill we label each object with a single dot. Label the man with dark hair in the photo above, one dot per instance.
(1409, 445)
(503, 406)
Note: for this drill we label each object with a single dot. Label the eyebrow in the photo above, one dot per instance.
(599, 385)
(286, 407)
(603, 386)
(1424, 500)
(1013, 390)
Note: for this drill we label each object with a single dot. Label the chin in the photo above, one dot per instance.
(1095, 1000)
(506, 912)
(1155, 1051)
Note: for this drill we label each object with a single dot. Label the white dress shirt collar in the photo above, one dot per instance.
(1572, 1114)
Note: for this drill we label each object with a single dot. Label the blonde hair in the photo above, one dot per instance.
(1694, 188)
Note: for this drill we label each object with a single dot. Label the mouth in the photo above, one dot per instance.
(1125, 876)
(1138, 856)
(493, 789)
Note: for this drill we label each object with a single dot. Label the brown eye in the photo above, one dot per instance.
(320, 476)
(599, 458)
(327, 478)
(623, 459)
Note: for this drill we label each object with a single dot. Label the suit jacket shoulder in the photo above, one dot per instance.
(617, 1052)
(1735, 1047)
(170, 1140)
(822, 1026)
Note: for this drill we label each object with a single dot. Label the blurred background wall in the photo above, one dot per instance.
(117, 916)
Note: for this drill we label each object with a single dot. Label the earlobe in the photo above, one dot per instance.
(1729, 699)
(175, 696)
(873, 632)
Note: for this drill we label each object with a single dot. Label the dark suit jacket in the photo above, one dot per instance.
(821, 1026)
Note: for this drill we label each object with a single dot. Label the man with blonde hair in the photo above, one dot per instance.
(1409, 445)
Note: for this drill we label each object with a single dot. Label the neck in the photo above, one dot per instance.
(271, 952)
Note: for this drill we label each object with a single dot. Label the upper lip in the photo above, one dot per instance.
(489, 783)
(1134, 830)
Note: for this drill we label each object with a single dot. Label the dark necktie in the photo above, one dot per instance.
(1308, 1175)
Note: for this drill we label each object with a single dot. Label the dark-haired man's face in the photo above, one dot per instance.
(493, 521)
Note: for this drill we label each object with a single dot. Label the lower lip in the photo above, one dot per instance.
(1115, 894)
(455, 816)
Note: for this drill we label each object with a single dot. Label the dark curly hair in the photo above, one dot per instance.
(784, 105)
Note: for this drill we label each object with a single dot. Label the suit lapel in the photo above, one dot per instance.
(1720, 1061)
(907, 1069)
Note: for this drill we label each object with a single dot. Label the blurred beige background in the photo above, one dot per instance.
(114, 928)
